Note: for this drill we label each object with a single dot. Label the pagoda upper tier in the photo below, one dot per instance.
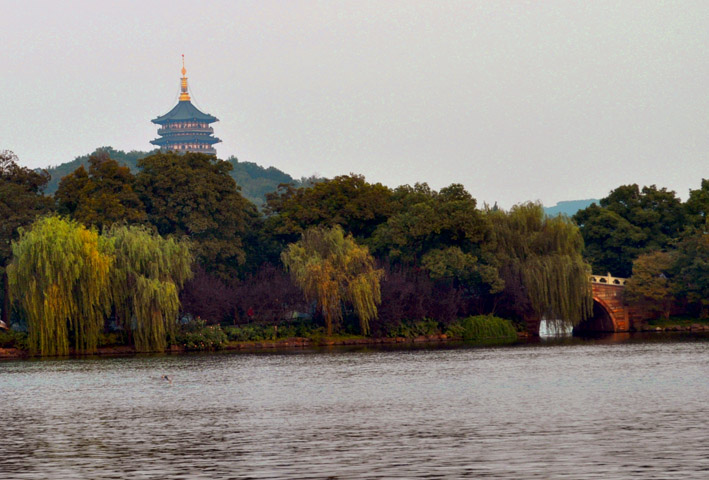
(185, 128)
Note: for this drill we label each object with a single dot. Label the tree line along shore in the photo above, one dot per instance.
(174, 256)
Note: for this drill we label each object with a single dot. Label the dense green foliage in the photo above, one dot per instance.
(255, 181)
(146, 278)
(628, 222)
(21, 201)
(690, 271)
(416, 328)
(649, 235)
(424, 221)
(541, 264)
(13, 339)
(197, 336)
(103, 196)
(69, 278)
(193, 195)
(126, 159)
(348, 201)
(62, 271)
(482, 328)
(259, 333)
(650, 284)
(182, 241)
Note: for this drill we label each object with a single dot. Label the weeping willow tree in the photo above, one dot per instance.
(60, 276)
(541, 263)
(333, 269)
(146, 278)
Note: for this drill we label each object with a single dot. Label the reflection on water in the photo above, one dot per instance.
(613, 407)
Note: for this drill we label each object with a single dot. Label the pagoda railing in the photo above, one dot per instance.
(169, 130)
(207, 150)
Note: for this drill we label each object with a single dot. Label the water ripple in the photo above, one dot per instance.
(632, 410)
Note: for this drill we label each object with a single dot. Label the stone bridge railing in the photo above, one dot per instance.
(608, 280)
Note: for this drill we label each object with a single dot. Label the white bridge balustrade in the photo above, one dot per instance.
(608, 280)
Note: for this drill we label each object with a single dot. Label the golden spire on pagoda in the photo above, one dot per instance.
(184, 96)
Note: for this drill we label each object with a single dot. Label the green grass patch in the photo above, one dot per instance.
(680, 321)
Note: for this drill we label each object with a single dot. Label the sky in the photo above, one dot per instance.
(518, 101)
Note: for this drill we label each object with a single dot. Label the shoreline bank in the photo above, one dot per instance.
(285, 343)
(298, 343)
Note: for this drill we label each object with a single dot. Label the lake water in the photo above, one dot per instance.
(620, 407)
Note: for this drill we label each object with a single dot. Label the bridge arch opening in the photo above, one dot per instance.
(602, 319)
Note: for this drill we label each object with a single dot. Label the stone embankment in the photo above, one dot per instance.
(326, 342)
(120, 350)
(695, 327)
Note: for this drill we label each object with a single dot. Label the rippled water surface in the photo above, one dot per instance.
(579, 410)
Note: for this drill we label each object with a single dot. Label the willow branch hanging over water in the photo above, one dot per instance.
(60, 271)
(332, 268)
(148, 273)
(543, 255)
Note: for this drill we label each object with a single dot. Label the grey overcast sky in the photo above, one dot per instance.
(528, 100)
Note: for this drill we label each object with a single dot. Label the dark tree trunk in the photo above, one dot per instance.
(532, 323)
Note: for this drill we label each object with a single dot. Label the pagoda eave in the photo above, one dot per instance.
(173, 141)
(185, 111)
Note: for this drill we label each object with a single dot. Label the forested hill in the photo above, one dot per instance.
(58, 172)
(255, 181)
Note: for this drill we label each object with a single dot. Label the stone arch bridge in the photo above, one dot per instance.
(610, 312)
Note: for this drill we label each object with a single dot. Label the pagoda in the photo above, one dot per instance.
(185, 128)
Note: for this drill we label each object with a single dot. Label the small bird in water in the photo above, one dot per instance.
(167, 378)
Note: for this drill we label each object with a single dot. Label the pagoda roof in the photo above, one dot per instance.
(172, 139)
(184, 110)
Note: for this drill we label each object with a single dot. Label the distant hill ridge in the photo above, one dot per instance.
(254, 180)
(569, 207)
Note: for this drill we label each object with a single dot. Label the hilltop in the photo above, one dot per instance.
(569, 207)
(254, 180)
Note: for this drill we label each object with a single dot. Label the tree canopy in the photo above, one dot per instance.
(21, 200)
(146, 279)
(69, 278)
(651, 284)
(103, 196)
(541, 263)
(424, 220)
(332, 268)
(61, 271)
(348, 200)
(193, 195)
(628, 222)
